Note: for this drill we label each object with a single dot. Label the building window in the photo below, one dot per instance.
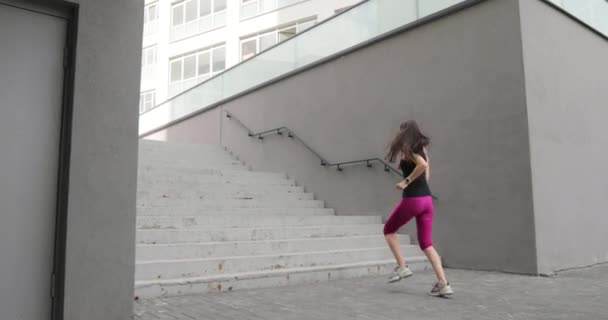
(148, 56)
(146, 101)
(250, 8)
(148, 63)
(150, 18)
(190, 69)
(192, 17)
(250, 46)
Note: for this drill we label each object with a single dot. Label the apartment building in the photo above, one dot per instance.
(189, 41)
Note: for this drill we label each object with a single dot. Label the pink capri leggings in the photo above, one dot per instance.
(406, 209)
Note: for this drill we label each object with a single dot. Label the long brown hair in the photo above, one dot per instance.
(408, 141)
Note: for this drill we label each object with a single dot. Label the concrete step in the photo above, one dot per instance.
(172, 269)
(247, 221)
(213, 175)
(145, 252)
(207, 173)
(156, 236)
(219, 190)
(163, 199)
(269, 279)
(189, 163)
(196, 155)
(232, 164)
(190, 211)
(207, 223)
(186, 182)
(145, 143)
(173, 148)
(211, 204)
(200, 153)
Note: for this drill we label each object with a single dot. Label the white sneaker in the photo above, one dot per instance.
(441, 290)
(400, 273)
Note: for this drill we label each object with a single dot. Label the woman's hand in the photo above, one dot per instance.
(401, 185)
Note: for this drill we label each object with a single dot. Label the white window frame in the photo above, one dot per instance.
(144, 56)
(143, 106)
(259, 10)
(148, 67)
(181, 84)
(276, 32)
(201, 24)
(150, 25)
(183, 9)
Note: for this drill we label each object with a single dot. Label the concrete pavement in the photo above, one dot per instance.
(580, 294)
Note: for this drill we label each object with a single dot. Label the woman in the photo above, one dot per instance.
(410, 145)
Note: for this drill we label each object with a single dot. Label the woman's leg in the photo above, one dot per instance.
(396, 220)
(435, 260)
(393, 244)
(424, 226)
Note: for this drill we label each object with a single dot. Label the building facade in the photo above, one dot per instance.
(511, 93)
(189, 41)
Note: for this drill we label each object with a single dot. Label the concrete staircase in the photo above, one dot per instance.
(206, 223)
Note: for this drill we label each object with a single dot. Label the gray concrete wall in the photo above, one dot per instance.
(461, 77)
(566, 68)
(101, 214)
(198, 130)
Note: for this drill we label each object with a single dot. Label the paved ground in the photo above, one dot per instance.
(581, 294)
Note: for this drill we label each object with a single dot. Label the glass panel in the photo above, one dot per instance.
(249, 9)
(152, 13)
(178, 15)
(148, 101)
(150, 56)
(219, 19)
(268, 40)
(592, 12)
(219, 59)
(287, 33)
(141, 104)
(305, 25)
(267, 5)
(175, 88)
(284, 3)
(191, 10)
(366, 21)
(203, 78)
(219, 5)
(261, 68)
(601, 17)
(189, 67)
(338, 11)
(248, 48)
(426, 8)
(176, 70)
(205, 7)
(204, 64)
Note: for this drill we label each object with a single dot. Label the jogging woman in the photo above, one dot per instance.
(410, 146)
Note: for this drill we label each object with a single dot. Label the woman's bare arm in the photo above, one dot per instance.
(421, 167)
(428, 165)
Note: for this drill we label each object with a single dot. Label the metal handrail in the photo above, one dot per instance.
(290, 134)
(324, 162)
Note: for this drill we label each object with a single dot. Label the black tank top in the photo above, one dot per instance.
(419, 186)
